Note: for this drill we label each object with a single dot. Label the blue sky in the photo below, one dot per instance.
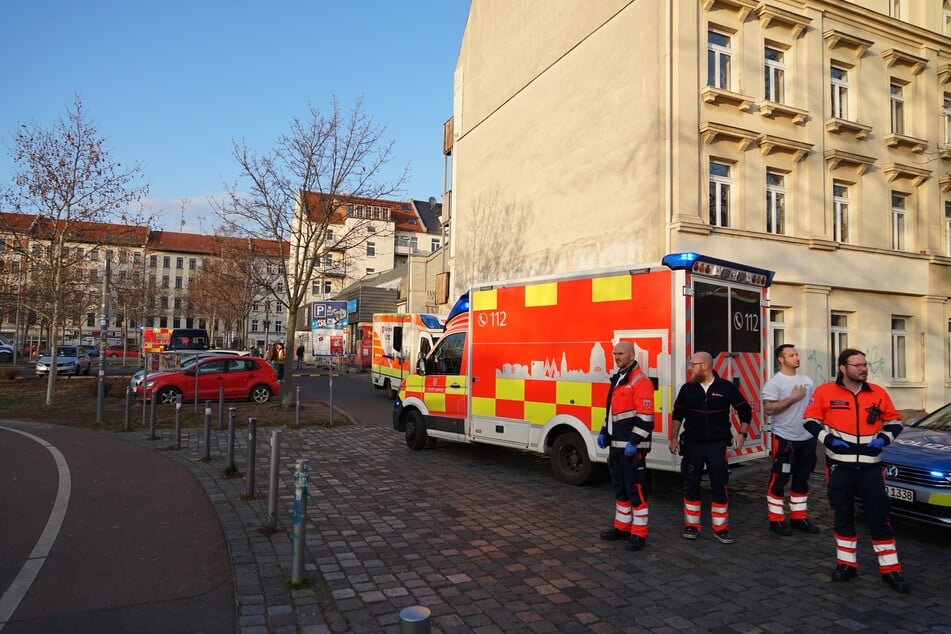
(170, 84)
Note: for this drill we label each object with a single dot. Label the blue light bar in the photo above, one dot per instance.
(706, 265)
(679, 261)
(430, 321)
(461, 306)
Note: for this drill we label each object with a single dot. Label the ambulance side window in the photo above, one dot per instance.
(447, 357)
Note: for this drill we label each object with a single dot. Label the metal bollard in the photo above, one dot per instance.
(221, 407)
(128, 409)
(415, 620)
(299, 536)
(152, 419)
(252, 446)
(178, 425)
(272, 482)
(297, 407)
(207, 455)
(231, 419)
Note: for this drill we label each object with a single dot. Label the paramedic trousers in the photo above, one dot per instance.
(794, 459)
(628, 474)
(695, 456)
(845, 485)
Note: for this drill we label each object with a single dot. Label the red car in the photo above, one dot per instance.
(130, 352)
(241, 377)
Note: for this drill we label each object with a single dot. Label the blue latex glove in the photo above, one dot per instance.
(877, 443)
(630, 449)
(838, 443)
(602, 441)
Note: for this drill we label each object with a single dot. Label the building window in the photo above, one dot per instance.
(899, 348)
(370, 271)
(775, 73)
(254, 325)
(894, 9)
(897, 108)
(947, 228)
(178, 282)
(165, 281)
(163, 302)
(777, 329)
(839, 327)
(192, 263)
(329, 237)
(946, 117)
(775, 202)
(179, 263)
(166, 261)
(371, 249)
(327, 288)
(719, 194)
(435, 246)
(137, 258)
(949, 348)
(315, 288)
(899, 220)
(90, 319)
(718, 60)
(94, 255)
(178, 303)
(153, 261)
(176, 322)
(840, 212)
(839, 78)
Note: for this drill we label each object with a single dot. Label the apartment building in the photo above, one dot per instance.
(810, 137)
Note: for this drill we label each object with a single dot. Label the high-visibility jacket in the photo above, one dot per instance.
(835, 412)
(631, 414)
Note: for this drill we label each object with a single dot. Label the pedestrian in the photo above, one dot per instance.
(280, 358)
(702, 408)
(854, 420)
(793, 448)
(300, 356)
(629, 423)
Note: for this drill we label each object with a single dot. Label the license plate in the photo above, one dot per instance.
(906, 495)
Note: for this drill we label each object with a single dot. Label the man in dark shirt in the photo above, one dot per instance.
(703, 409)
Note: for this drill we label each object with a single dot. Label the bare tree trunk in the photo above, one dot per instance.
(290, 346)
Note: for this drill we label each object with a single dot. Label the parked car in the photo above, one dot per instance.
(6, 350)
(918, 469)
(92, 351)
(183, 359)
(69, 360)
(241, 378)
(117, 352)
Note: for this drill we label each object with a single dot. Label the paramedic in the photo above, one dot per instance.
(629, 422)
(854, 420)
(703, 408)
(793, 448)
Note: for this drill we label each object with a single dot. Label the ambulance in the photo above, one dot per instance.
(399, 340)
(525, 364)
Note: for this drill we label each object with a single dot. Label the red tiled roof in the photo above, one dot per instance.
(42, 228)
(316, 205)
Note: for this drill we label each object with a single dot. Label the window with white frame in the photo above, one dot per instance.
(899, 347)
(947, 228)
(720, 183)
(839, 85)
(775, 202)
(327, 287)
(897, 100)
(777, 329)
(329, 237)
(840, 211)
(775, 71)
(371, 249)
(839, 329)
(719, 55)
(434, 245)
(946, 117)
(899, 220)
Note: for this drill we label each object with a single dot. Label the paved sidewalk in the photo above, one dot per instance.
(490, 542)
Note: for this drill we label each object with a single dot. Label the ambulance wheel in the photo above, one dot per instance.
(390, 392)
(569, 460)
(415, 431)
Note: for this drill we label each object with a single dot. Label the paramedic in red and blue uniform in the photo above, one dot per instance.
(854, 420)
(627, 431)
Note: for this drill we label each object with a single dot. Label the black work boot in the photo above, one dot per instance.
(613, 534)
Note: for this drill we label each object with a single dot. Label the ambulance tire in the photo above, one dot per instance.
(390, 392)
(415, 431)
(569, 460)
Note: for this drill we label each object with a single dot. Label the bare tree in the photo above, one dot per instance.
(298, 192)
(66, 180)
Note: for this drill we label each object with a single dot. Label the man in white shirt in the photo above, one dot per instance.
(793, 449)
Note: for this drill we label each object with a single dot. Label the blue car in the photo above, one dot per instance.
(918, 469)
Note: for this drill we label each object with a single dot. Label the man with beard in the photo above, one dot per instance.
(854, 420)
(793, 448)
(702, 408)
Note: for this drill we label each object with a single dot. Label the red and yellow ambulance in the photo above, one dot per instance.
(525, 364)
(399, 341)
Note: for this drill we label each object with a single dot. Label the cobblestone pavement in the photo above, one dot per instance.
(488, 541)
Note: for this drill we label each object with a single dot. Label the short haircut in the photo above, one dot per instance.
(781, 347)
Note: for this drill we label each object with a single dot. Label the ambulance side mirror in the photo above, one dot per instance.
(421, 367)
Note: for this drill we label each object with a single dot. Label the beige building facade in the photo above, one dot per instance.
(809, 137)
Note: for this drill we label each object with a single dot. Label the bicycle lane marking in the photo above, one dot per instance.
(21, 584)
